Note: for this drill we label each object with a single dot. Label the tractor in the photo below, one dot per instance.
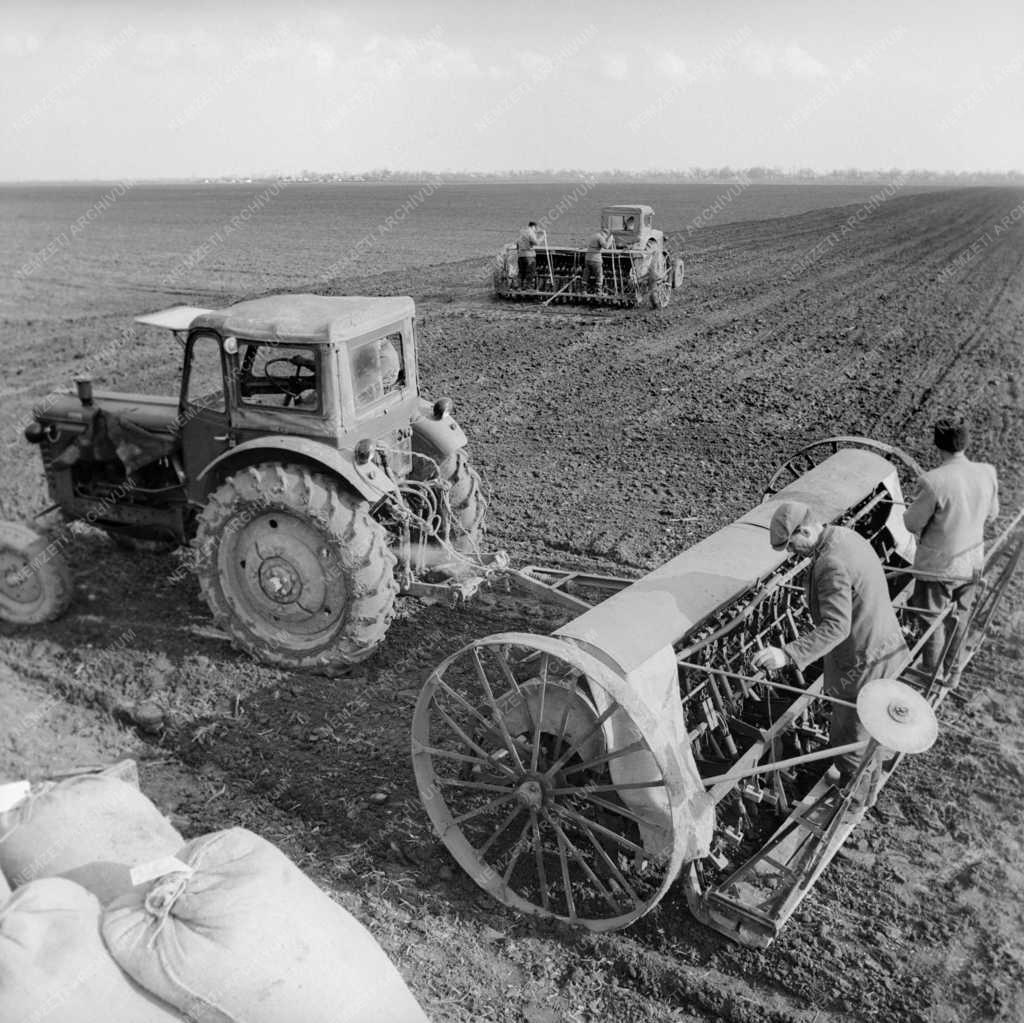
(311, 479)
(640, 269)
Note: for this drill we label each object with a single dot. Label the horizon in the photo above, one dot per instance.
(382, 176)
(109, 90)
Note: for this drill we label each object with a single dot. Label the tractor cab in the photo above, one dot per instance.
(632, 226)
(333, 369)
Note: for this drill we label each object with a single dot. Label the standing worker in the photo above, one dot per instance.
(855, 627)
(529, 238)
(599, 242)
(949, 516)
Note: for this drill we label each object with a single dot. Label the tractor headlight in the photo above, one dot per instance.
(443, 407)
(34, 433)
(363, 451)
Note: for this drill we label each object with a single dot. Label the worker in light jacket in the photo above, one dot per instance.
(949, 515)
(600, 241)
(855, 628)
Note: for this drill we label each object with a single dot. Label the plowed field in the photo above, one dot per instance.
(611, 441)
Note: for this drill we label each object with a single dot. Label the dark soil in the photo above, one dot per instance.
(608, 440)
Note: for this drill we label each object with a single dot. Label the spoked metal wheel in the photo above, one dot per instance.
(814, 454)
(537, 775)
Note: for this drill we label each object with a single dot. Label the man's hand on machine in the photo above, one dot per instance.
(771, 658)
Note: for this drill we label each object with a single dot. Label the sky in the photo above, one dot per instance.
(103, 89)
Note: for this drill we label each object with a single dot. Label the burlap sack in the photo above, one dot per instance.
(90, 828)
(248, 938)
(54, 967)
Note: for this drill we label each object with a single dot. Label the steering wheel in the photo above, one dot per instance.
(292, 386)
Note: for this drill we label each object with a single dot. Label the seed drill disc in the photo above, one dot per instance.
(897, 716)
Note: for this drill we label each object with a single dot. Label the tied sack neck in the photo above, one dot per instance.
(161, 897)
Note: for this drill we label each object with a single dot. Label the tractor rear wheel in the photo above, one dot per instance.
(35, 582)
(294, 569)
(658, 280)
(466, 502)
(461, 514)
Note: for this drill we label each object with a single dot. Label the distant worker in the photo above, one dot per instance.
(949, 515)
(855, 628)
(529, 238)
(629, 223)
(601, 241)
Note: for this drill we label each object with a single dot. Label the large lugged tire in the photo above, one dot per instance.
(658, 280)
(35, 582)
(294, 568)
(466, 502)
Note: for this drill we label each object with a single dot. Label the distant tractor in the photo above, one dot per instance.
(311, 478)
(639, 270)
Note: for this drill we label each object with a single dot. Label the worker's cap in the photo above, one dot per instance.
(786, 520)
(951, 434)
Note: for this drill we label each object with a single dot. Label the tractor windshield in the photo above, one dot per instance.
(378, 369)
(620, 222)
(279, 376)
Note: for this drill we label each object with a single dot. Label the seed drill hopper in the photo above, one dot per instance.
(579, 775)
(640, 269)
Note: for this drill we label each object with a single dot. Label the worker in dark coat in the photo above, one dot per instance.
(955, 502)
(855, 628)
(526, 250)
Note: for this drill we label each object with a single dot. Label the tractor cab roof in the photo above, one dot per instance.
(314, 318)
(634, 209)
(309, 318)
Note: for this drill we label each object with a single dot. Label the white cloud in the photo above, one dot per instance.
(534, 63)
(18, 44)
(671, 65)
(771, 61)
(323, 56)
(800, 64)
(616, 68)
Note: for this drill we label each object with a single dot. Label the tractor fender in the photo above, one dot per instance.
(369, 481)
(440, 437)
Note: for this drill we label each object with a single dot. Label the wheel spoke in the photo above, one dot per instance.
(634, 747)
(501, 829)
(500, 801)
(560, 738)
(498, 719)
(538, 724)
(612, 866)
(599, 828)
(621, 811)
(578, 744)
(624, 787)
(478, 786)
(566, 843)
(518, 851)
(570, 902)
(472, 745)
(452, 755)
(462, 701)
(538, 853)
(503, 667)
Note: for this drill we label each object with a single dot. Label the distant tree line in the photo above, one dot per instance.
(710, 175)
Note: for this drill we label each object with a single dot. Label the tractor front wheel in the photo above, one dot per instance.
(294, 569)
(35, 580)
